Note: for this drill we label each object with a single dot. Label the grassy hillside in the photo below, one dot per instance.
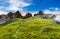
(31, 28)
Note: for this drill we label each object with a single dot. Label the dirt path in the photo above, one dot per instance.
(21, 25)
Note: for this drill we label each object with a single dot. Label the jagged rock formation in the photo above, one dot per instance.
(10, 15)
(35, 14)
(27, 15)
(18, 14)
(14, 15)
(40, 13)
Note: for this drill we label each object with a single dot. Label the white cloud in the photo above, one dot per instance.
(47, 11)
(56, 12)
(13, 5)
(52, 8)
(17, 5)
(57, 9)
(1, 12)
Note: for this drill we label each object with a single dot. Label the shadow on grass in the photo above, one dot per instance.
(8, 22)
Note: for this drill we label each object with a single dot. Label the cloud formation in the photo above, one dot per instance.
(54, 11)
(18, 4)
(1, 12)
(13, 5)
(52, 8)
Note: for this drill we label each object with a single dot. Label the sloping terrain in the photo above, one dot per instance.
(31, 28)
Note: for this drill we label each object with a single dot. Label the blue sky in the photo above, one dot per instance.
(43, 4)
(48, 6)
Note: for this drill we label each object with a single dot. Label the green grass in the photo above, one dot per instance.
(31, 28)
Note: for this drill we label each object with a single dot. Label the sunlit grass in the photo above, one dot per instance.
(31, 28)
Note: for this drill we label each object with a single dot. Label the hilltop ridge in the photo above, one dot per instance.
(31, 28)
